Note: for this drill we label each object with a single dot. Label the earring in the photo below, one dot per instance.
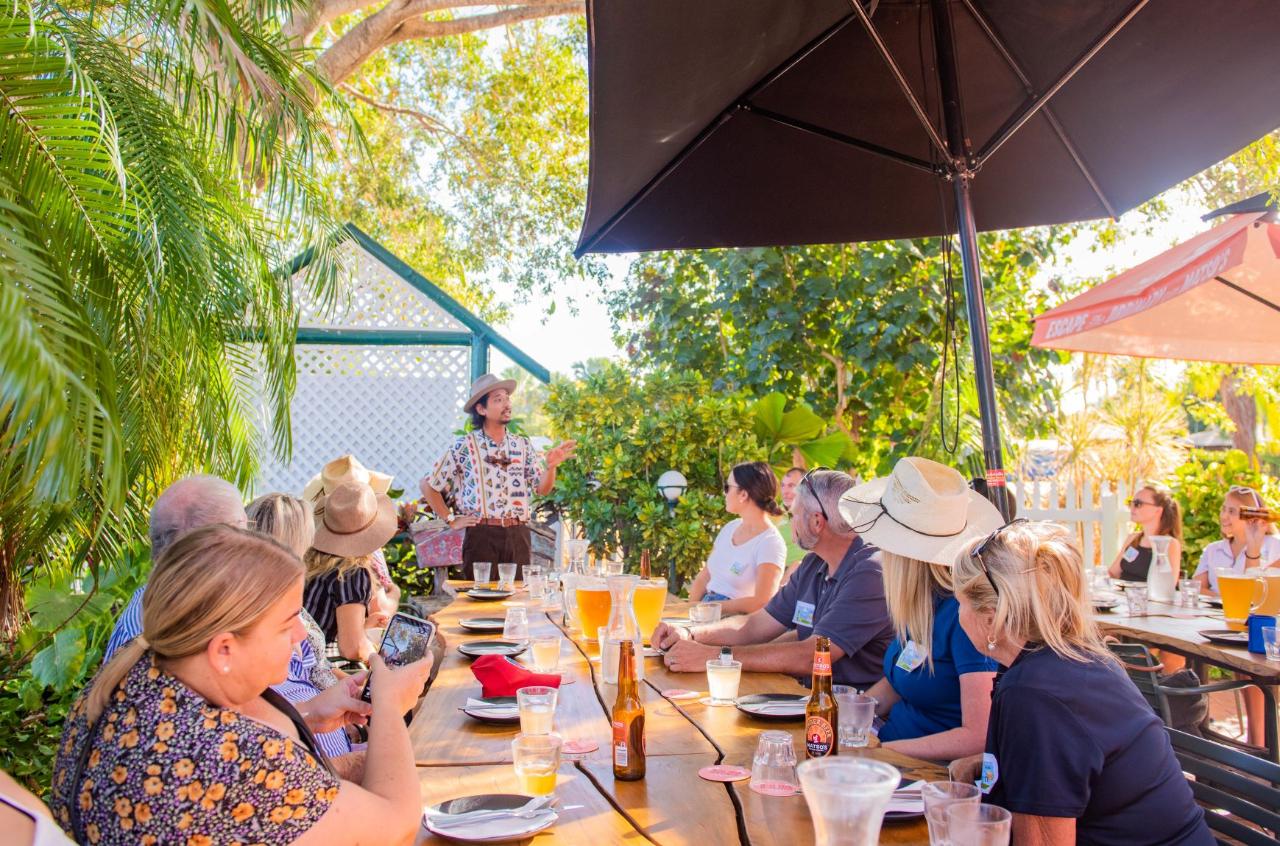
(991, 644)
(226, 668)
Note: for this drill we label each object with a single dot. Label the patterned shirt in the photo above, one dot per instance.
(166, 766)
(329, 591)
(489, 479)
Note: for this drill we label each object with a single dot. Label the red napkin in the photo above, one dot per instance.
(500, 676)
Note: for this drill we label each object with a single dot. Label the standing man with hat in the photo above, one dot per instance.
(492, 476)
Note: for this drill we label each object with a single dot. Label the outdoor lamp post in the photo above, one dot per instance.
(672, 485)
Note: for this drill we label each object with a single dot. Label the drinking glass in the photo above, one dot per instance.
(507, 576)
(857, 712)
(773, 769)
(1189, 593)
(847, 797)
(516, 625)
(938, 796)
(546, 653)
(704, 612)
(610, 649)
(532, 570)
(1136, 598)
(537, 709)
(536, 584)
(536, 759)
(1271, 643)
(649, 599)
(570, 600)
(722, 681)
(614, 568)
(482, 570)
(974, 824)
(593, 603)
(578, 554)
(552, 599)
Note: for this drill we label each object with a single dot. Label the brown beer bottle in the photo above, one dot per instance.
(628, 719)
(1259, 512)
(644, 564)
(821, 721)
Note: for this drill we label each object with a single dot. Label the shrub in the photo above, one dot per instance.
(1199, 485)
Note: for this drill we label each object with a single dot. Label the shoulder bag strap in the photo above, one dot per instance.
(478, 459)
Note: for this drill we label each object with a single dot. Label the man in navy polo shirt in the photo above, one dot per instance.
(836, 592)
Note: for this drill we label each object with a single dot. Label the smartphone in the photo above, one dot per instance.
(406, 639)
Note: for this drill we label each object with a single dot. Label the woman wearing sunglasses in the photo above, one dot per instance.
(744, 569)
(1156, 512)
(1073, 750)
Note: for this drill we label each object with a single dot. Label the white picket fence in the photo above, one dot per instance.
(1098, 513)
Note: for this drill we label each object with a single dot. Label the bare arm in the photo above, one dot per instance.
(353, 643)
(434, 499)
(969, 737)
(793, 659)
(1031, 830)
(698, 589)
(884, 695)
(768, 580)
(1114, 570)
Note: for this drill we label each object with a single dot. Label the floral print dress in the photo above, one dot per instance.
(166, 766)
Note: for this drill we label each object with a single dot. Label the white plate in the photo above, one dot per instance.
(493, 831)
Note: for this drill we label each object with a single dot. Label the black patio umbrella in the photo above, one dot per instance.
(734, 123)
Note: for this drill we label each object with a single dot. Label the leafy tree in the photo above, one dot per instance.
(855, 331)
(629, 431)
(1199, 485)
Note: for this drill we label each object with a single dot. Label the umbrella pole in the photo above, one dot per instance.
(961, 173)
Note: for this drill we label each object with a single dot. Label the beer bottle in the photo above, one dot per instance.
(1259, 512)
(644, 564)
(628, 719)
(821, 722)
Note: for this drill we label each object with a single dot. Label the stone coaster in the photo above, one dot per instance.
(676, 693)
(580, 748)
(724, 772)
(775, 788)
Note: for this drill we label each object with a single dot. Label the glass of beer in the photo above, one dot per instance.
(536, 759)
(650, 599)
(537, 706)
(546, 653)
(594, 604)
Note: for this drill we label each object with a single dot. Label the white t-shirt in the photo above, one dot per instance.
(1217, 555)
(733, 568)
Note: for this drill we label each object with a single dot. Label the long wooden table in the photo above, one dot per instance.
(458, 756)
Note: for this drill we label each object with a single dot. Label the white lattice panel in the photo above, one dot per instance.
(372, 297)
(394, 407)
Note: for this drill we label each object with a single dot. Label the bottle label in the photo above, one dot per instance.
(822, 663)
(818, 737)
(619, 744)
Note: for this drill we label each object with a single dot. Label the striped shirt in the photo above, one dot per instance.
(329, 591)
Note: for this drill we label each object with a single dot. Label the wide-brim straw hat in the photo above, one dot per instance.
(922, 510)
(487, 384)
(345, 468)
(354, 521)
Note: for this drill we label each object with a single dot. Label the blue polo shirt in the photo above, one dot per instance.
(847, 607)
(1076, 739)
(930, 701)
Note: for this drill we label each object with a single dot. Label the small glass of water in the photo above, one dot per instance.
(1270, 643)
(1135, 596)
(704, 612)
(937, 796)
(482, 570)
(975, 824)
(773, 770)
(537, 709)
(610, 649)
(546, 653)
(1189, 593)
(507, 576)
(857, 712)
(516, 625)
(536, 758)
(723, 678)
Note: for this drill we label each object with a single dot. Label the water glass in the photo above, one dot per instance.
(537, 709)
(552, 600)
(614, 568)
(536, 759)
(938, 796)
(847, 797)
(546, 653)
(704, 612)
(570, 601)
(1189, 593)
(578, 554)
(610, 649)
(722, 681)
(773, 769)
(482, 570)
(507, 576)
(857, 712)
(1271, 643)
(974, 824)
(516, 625)
(536, 584)
(1136, 598)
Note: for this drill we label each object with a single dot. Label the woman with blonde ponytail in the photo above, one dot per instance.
(1073, 750)
(180, 738)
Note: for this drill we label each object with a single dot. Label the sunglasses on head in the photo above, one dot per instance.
(806, 481)
(976, 554)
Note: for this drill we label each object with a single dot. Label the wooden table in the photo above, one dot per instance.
(457, 756)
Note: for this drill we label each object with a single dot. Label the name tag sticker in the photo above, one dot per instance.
(1130, 554)
(910, 658)
(990, 772)
(737, 567)
(804, 614)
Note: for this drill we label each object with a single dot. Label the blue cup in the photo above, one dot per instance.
(1258, 622)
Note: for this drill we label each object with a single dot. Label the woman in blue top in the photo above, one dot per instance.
(936, 692)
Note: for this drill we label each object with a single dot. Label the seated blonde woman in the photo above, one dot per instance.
(179, 739)
(1073, 750)
(935, 696)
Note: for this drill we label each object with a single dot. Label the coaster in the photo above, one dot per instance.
(581, 748)
(677, 693)
(775, 788)
(724, 772)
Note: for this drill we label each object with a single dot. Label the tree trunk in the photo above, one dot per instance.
(1243, 411)
(12, 610)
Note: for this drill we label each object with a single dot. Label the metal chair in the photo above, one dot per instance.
(1239, 792)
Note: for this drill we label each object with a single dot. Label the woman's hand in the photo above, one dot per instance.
(338, 706)
(966, 769)
(399, 687)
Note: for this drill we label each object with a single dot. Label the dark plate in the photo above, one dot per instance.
(762, 698)
(1101, 605)
(903, 816)
(521, 829)
(489, 594)
(488, 718)
(476, 648)
(483, 624)
(1211, 601)
(1226, 637)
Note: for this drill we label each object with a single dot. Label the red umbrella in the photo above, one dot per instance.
(1212, 298)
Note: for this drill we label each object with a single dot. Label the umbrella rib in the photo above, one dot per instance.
(840, 137)
(1250, 294)
(1032, 106)
(1014, 65)
(901, 79)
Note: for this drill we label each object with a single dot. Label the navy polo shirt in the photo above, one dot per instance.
(1076, 739)
(847, 607)
(929, 701)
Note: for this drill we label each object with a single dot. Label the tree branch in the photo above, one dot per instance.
(423, 28)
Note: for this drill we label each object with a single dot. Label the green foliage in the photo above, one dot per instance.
(402, 563)
(629, 431)
(786, 432)
(1199, 486)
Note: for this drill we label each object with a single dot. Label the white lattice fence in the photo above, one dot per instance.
(1096, 512)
